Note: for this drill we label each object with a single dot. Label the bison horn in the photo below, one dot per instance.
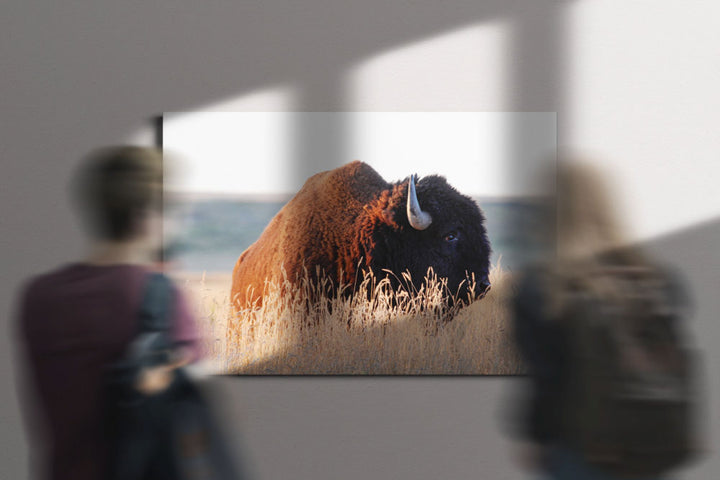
(418, 219)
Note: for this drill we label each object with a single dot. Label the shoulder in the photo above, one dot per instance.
(29, 293)
(39, 282)
(39, 287)
(676, 287)
(80, 282)
(669, 278)
(29, 287)
(165, 282)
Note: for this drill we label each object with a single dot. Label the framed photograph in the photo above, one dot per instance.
(357, 243)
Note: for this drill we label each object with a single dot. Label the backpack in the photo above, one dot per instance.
(632, 387)
(170, 435)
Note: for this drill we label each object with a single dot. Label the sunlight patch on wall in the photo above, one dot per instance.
(635, 108)
(226, 153)
(464, 70)
(235, 145)
(279, 98)
(469, 148)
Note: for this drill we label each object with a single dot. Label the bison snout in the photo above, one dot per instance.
(484, 287)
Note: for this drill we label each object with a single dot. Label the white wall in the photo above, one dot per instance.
(634, 82)
(643, 99)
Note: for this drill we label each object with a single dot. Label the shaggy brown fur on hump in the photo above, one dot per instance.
(325, 228)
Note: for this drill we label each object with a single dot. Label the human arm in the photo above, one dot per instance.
(186, 347)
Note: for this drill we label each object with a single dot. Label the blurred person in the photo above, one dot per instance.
(77, 320)
(611, 394)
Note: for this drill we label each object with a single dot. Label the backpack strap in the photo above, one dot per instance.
(156, 303)
(152, 344)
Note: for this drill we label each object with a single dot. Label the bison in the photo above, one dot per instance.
(349, 220)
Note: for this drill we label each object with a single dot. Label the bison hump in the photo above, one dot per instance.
(318, 228)
(355, 183)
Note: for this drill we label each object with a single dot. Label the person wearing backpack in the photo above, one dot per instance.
(77, 320)
(613, 382)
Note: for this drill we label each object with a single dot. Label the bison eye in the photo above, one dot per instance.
(450, 236)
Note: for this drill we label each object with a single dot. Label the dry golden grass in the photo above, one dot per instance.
(391, 333)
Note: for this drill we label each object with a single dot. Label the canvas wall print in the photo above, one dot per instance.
(363, 243)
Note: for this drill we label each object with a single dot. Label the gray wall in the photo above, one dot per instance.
(80, 74)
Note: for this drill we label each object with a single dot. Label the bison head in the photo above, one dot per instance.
(429, 224)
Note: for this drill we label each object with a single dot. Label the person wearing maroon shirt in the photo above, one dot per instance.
(78, 319)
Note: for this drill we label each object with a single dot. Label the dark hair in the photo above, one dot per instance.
(115, 186)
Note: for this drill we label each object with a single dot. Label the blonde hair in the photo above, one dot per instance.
(589, 235)
(587, 224)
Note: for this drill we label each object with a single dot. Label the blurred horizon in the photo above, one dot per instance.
(209, 235)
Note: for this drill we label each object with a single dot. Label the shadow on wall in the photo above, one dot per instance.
(692, 251)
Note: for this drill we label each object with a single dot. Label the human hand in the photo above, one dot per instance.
(153, 380)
